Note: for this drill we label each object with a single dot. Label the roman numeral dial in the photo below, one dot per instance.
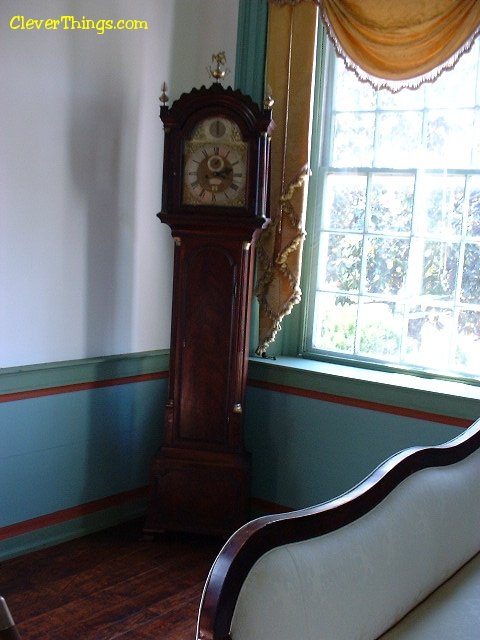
(215, 165)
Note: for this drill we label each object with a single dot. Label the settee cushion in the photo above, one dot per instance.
(354, 583)
(451, 612)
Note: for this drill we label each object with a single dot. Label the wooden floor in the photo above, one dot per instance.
(112, 584)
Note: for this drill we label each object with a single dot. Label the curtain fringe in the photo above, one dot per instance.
(280, 262)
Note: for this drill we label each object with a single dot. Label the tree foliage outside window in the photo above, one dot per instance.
(396, 201)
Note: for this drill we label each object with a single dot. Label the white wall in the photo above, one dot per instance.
(85, 266)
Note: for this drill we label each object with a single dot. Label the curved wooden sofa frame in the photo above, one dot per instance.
(8, 629)
(259, 536)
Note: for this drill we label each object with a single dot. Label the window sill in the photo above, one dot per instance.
(425, 398)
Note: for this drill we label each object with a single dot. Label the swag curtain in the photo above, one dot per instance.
(401, 44)
(391, 45)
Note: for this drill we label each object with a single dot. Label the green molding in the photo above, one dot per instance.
(58, 374)
(448, 400)
(251, 48)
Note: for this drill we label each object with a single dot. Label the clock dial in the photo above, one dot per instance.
(215, 164)
(215, 175)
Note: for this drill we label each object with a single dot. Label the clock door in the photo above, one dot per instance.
(209, 284)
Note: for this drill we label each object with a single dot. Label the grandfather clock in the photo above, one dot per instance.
(215, 193)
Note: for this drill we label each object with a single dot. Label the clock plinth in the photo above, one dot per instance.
(214, 199)
(200, 492)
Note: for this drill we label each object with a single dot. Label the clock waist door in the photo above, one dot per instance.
(208, 354)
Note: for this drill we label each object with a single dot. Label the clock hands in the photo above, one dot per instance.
(217, 168)
(224, 174)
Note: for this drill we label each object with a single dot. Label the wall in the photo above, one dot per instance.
(85, 267)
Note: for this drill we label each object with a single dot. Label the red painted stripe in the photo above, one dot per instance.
(363, 404)
(65, 515)
(80, 386)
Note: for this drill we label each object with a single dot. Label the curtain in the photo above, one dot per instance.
(387, 43)
(291, 43)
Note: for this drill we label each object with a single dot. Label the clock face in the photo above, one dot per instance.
(215, 164)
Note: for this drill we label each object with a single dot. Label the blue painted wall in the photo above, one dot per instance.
(67, 449)
(305, 451)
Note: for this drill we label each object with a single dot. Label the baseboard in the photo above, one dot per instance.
(25, 537)
(60, 527)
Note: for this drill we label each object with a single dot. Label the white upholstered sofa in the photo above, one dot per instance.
(397, 557)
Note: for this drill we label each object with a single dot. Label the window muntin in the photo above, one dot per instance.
(396, 243)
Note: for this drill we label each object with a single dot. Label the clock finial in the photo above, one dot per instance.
(163, 96)
(218, 73)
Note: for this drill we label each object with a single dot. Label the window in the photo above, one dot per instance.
(395, 238)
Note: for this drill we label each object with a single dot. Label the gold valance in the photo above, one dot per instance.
(400, 44)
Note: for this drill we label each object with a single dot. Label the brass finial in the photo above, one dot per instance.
(268, 101)
(218, 73)
(163, 97)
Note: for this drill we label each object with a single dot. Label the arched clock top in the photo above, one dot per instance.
(198, 103)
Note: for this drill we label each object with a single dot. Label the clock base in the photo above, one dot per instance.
(198, 492)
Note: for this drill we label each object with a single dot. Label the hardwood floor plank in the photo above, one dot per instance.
(110, 585)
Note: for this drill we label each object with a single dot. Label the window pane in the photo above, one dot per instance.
(473, 211)
(353, 140)
(349, 91)
(379, 330)
(449, 138)
(442, 200)
(391, 203)
(386, 264)
(440, 268)
(456, 88)
(476, 140)
(344, 262)
(471, 274)
(344, 202)
(435, 337)
(397, 279)
(399, 134)
(336, 319)
(467, 353)
(406, 100)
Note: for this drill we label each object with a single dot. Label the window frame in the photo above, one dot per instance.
(323, 96)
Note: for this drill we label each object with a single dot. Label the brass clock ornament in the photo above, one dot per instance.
(214, 199)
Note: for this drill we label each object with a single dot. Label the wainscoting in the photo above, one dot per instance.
(77, 437)
(77, 440)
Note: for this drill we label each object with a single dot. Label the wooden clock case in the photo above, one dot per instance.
(200, 475)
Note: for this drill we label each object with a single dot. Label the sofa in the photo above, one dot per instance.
(397, 557)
